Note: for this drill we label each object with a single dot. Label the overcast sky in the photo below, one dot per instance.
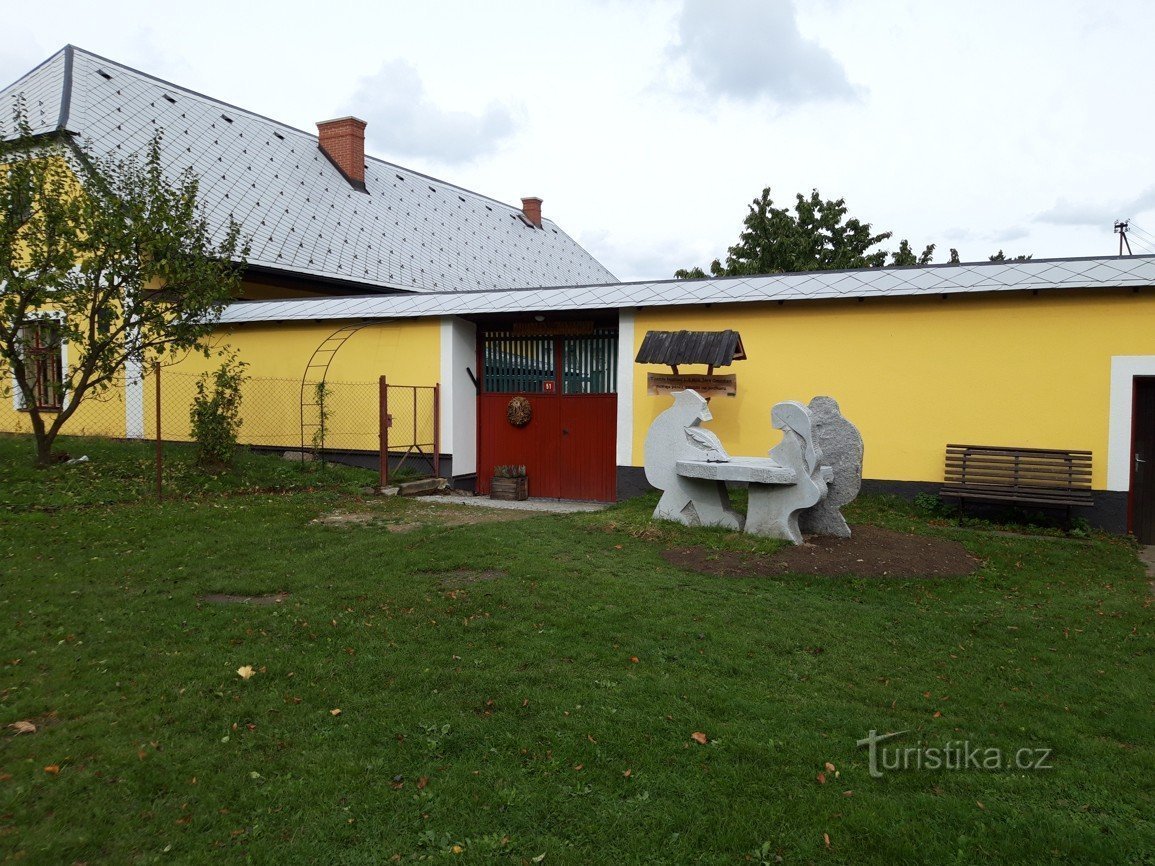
(647, 126)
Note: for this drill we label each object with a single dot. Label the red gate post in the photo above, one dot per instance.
(437, 430)
(159, 441)
(383, 433)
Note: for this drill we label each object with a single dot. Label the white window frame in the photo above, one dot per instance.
(18, 402)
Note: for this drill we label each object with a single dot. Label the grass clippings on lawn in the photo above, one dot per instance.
(869, 552)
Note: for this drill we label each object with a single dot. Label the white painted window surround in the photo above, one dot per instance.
(1124, 369)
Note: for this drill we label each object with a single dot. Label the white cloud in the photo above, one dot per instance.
(20, 54)
(752, 49)
(404, 121)
(641, 258)
(1012, 233)
(1068, 213)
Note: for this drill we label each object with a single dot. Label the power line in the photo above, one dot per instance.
(1143, 246)
(1143, 239)
(1135, 227)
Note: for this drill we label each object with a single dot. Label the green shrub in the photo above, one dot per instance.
(215, 416)
(931, 506)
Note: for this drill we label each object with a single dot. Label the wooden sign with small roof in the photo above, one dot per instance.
(675, 348)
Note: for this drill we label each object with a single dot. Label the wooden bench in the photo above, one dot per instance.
(1046, 477)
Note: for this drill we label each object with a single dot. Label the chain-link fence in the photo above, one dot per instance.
(353, 422)
(275, 413)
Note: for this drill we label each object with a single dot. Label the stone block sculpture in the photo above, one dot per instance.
(800, 487)
(842, 451)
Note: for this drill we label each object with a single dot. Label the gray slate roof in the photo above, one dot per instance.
(410, 232)
(931, 280)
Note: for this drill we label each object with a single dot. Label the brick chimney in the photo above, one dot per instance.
(531, 207)
(343, 141)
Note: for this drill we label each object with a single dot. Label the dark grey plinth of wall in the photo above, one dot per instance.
(1109, 512)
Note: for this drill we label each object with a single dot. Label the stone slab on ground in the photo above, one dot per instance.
(423, 487)
(553, 506)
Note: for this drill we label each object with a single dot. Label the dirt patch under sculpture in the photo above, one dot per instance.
(870, 552)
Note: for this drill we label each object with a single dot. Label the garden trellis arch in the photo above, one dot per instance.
(314, 378)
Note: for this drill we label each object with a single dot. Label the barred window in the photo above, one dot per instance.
(40, 340)
(528, 363)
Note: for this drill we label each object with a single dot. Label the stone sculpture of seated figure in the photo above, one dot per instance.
(676, 435)
(773, 510)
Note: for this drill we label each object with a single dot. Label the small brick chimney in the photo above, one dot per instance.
(531, 207)
(343, 141)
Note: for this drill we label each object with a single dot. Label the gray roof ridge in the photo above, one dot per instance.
(277, 123)
(448, 184)
(708, 279)
(188, 90)
(66, 89)
(891, 269)
(1108, 272)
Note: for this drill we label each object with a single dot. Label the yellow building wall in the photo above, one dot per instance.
(96, 416)
(916, 373)
(406, 351)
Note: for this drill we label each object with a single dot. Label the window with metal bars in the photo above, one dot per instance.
(40, 340)
(516, 363)
(590, 363)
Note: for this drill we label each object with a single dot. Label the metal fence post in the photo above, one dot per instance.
(437, 430)
(159, 441)
(383, 428)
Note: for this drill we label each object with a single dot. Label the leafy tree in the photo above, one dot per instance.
(905, 255)
(122, 256)
(1000, 256)
(814, 236)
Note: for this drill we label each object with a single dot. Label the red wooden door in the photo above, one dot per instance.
(589, 446)
(569, 446)
(537, 445)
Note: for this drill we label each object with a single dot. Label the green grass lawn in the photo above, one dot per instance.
(530, 690)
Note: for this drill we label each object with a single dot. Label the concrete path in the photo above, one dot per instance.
(553, 506)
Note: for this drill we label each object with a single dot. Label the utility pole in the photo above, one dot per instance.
(1121, 231)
